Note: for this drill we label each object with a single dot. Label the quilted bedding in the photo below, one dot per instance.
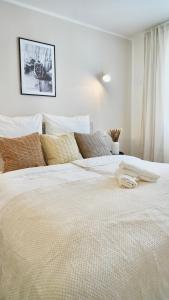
(70, 232)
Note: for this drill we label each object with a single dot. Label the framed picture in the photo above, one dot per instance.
(37, 68)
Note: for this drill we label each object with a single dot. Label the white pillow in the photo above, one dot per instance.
(19, 126)
(58, 124)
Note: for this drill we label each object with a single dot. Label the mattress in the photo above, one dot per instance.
(70, 232)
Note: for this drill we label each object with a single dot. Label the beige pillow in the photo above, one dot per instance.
(20, 153)
(91, 145)
(60, 149)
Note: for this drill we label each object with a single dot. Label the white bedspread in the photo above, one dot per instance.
(108, 165)
(70, 232)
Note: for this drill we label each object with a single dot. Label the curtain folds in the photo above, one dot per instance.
(155, 116)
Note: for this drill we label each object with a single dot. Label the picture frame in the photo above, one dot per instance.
(37, 68)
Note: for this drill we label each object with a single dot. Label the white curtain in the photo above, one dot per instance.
(155, 120)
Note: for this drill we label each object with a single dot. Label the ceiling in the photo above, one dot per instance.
(123, 17)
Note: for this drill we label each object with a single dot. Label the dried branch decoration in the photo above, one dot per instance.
(115, 134)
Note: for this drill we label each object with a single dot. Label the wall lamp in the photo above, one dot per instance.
(105, 77)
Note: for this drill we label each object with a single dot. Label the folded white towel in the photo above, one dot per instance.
(138, 171)
(127, 181)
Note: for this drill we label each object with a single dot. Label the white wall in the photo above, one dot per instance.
(137, 92)
(81, 54)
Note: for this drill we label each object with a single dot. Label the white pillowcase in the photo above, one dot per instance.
(11, 127)
(58, 124)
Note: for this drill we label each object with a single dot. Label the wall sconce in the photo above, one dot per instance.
(106, 77)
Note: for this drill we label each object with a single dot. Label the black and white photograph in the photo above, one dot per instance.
(37, 68)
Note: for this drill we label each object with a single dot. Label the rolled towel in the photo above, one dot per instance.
(121, 171)
(127, 181)
(138, 171)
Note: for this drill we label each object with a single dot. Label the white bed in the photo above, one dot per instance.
(70, 232)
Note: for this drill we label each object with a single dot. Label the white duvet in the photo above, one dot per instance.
(70, 232)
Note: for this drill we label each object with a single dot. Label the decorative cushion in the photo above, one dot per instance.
(60, 149)
(22, 152)
(1, 164)
(108, 141)
(59, 124)
(91, 145)
(11, 127)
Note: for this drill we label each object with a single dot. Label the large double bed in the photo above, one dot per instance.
(70, 232)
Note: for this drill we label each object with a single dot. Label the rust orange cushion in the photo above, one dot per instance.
(23, 152)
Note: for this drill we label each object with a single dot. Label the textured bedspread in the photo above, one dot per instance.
(69, 232)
